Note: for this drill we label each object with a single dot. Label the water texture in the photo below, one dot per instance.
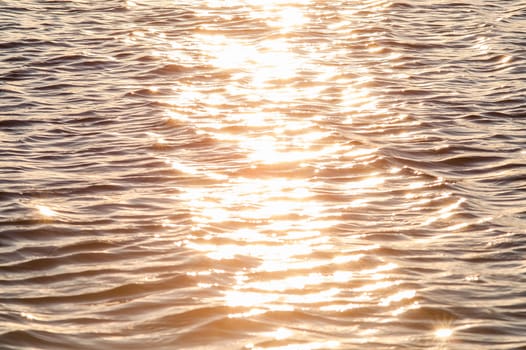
(249, 174)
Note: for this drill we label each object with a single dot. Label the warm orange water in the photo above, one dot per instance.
(253, 174)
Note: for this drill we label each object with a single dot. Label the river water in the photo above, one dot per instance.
(263, 174)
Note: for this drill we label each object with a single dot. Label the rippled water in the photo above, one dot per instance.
(249, 174)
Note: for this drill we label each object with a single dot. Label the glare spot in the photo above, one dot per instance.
(28, 316)
(443, 333)
(46, 211)
(288, 19)
(156, 139)
(282, 333)
(406, 294)
(377, 286)
(343, 259)
(445, 212)
(472, 278)
(405, 308)
(184, 168)
(361, 185)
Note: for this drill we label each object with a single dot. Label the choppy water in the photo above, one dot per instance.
(253, 174)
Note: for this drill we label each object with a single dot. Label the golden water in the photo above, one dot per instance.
(253, 174)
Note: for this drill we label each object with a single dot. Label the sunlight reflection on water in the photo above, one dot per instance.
(285, 259)
(272, 174)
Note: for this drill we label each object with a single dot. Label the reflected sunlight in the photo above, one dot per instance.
(445, 212)
(443, 333)
(281, 333)
(46, 211)
(271, 221)
(267, 174)
(287, 19)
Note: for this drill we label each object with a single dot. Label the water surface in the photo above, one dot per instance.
(271, 174)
